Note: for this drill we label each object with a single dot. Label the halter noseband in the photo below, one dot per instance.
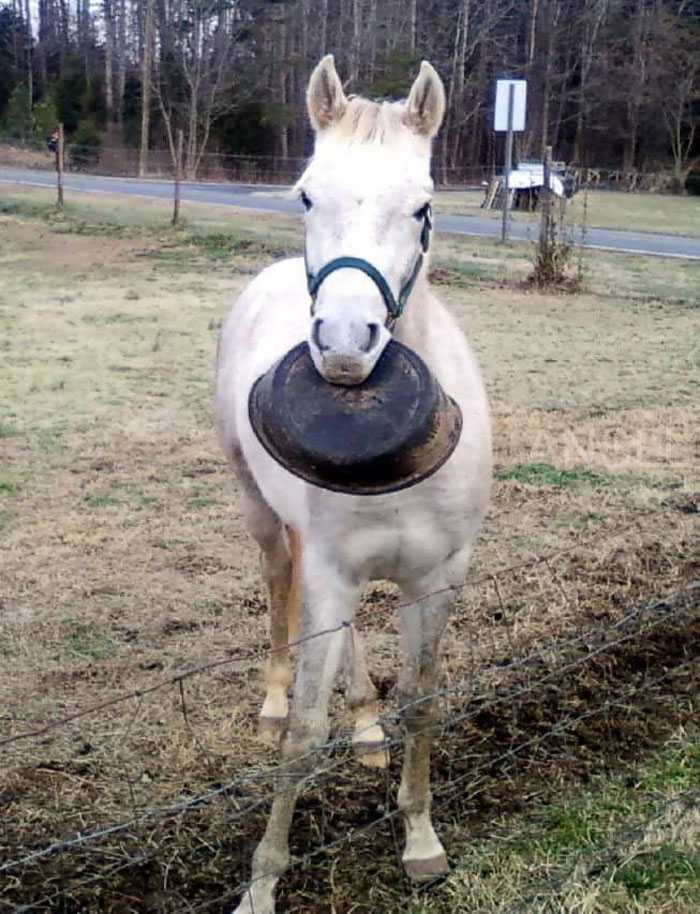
(393, 305)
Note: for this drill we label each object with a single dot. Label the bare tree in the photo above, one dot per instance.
(108, 13)
(121, 53)
(146, 67)
(637, 82)
(29, 59)
(592, 20)
(195, 69)
(675, 78)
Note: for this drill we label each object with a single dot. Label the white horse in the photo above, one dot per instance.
(367, 193)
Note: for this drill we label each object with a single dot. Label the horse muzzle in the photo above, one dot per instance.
(345, 352)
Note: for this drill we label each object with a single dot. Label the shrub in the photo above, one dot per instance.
(18, 117)
(85, 144)
(45, 118)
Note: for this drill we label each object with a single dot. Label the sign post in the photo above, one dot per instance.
(509, 117)
(508, 164)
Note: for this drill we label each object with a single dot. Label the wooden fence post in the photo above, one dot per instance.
(178, 178)
(59, 168)
(546, 218)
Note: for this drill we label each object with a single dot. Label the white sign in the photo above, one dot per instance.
(500, 119)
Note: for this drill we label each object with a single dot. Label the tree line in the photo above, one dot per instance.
(611, 83)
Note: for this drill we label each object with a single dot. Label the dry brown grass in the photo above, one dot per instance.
(18, 157)
(124, 559)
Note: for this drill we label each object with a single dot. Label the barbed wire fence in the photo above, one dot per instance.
(124, 844)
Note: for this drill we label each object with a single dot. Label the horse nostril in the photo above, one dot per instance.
(315, 335)
(373, 337)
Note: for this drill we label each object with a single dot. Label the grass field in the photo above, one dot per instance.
(124, 561)
(627, 842)
(600, 209)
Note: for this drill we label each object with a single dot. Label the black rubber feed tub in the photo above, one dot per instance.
(390, 432)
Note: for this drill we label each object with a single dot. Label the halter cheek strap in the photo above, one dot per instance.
(393, 305)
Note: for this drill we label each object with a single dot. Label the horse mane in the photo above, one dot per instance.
(365, 121)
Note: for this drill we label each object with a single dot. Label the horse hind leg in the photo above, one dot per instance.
(368, 737)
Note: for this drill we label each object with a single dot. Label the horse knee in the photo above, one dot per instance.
(418, 709)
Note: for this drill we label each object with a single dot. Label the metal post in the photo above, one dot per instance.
(59, 168)
(508, 164)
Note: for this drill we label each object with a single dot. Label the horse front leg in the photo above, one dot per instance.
(328, 602)
(422, 624)
(368, 738)
(281, 570)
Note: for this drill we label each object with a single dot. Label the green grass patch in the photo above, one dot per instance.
(578, 521)
(679, 768)
(136, 496)
(70, 225)
(84, 643)
(544, 474)
(50, 438)
(7, 488)
(462, 273)
(666, 866)
(28, 208)
(571, 826)
(219, 245)
(202, 501)
(96, 500)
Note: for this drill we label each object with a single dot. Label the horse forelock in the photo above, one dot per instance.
(365, 121)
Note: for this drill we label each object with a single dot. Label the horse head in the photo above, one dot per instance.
(366, 193)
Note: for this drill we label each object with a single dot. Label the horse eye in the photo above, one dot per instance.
(307, 204)
(422, 213)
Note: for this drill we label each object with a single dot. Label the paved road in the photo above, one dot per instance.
(273, 201)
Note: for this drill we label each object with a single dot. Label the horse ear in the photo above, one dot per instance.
(425, 105)
(325, 98)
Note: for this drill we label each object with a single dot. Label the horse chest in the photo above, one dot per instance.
(382, 541)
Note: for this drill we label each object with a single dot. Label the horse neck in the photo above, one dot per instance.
(413, 327)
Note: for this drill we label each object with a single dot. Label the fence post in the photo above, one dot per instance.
(59, 169)
(546, 218)
(178, 178)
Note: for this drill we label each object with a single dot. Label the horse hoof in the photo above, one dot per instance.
(372, 755)
(424, 870)
(272, 729)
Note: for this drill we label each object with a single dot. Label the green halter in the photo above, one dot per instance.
(394, 306)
